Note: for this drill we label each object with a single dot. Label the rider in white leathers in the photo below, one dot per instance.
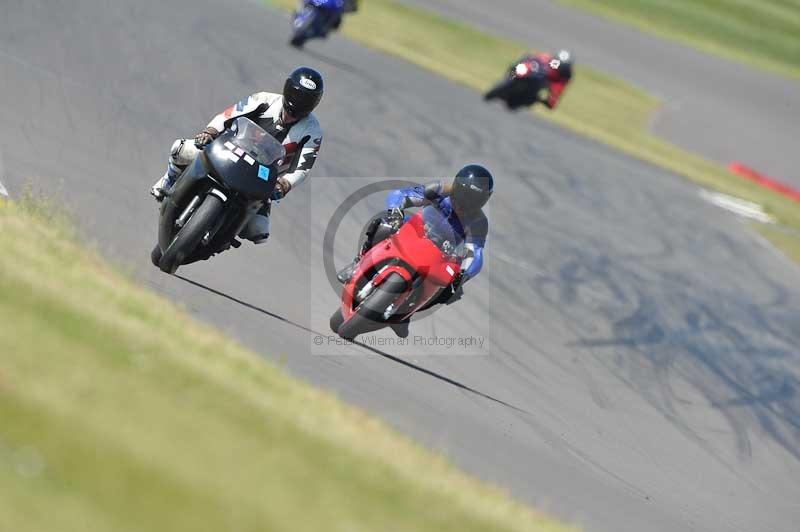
(287, 117)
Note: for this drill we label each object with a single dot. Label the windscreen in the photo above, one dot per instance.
(439, 231)
(256, 142)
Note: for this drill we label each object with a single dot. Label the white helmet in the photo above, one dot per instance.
(563, 63)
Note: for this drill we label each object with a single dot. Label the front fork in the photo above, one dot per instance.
(187, 213)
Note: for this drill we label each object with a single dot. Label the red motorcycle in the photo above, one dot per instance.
(403, 272)
(521, 87)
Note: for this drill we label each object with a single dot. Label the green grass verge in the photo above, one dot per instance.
(121, 413)
(595, 105)
(781, 239)
(762, 33)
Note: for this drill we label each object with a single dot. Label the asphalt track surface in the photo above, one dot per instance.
(720, 109)
(640, 370)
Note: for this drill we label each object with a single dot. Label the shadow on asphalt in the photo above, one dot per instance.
(384, 354)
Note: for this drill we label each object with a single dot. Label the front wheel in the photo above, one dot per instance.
(336, 320)
(190, 235)
(491, 95)
(155, 255)
(369, 314)
(498, 91)
(302, 27)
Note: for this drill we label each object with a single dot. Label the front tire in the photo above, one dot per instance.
(301, 32)
(188, 237)
(336, 320)
(498, 91)
(369, 314)
(155, 256)
(297, 41)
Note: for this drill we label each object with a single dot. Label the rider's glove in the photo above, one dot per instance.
(282, 187)
(458, 280)
(454, 292)
(394, 217)
(205, 137)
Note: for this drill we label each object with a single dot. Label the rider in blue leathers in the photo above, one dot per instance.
(330, 14)
(461, 203)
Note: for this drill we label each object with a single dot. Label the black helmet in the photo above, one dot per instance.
(302, 91)
(472, 188)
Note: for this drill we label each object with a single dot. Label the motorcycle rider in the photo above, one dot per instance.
(461, 203)
(336, 14)
(287, 117)
(557, 70)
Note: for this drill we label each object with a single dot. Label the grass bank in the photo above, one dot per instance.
(119, 412)
(763, 33)
(595, 105)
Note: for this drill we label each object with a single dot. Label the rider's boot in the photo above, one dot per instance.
(344, 275)
(160, 188)
(182, 153)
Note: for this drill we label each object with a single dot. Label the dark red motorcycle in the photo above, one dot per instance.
(404, 271)
(521, 87)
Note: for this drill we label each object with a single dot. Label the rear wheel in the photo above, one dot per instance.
(369, 314)
(188, 238)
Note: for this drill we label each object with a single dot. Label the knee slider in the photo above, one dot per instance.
(183, 152)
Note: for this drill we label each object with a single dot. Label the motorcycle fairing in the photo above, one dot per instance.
(230, 164)
(336, 5)
(409, 254)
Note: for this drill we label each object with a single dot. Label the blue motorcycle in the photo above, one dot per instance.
(316, 19)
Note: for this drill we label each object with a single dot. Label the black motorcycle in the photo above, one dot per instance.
(216, 195)
(521, 87)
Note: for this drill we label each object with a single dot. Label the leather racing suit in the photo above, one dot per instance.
(301, 140)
